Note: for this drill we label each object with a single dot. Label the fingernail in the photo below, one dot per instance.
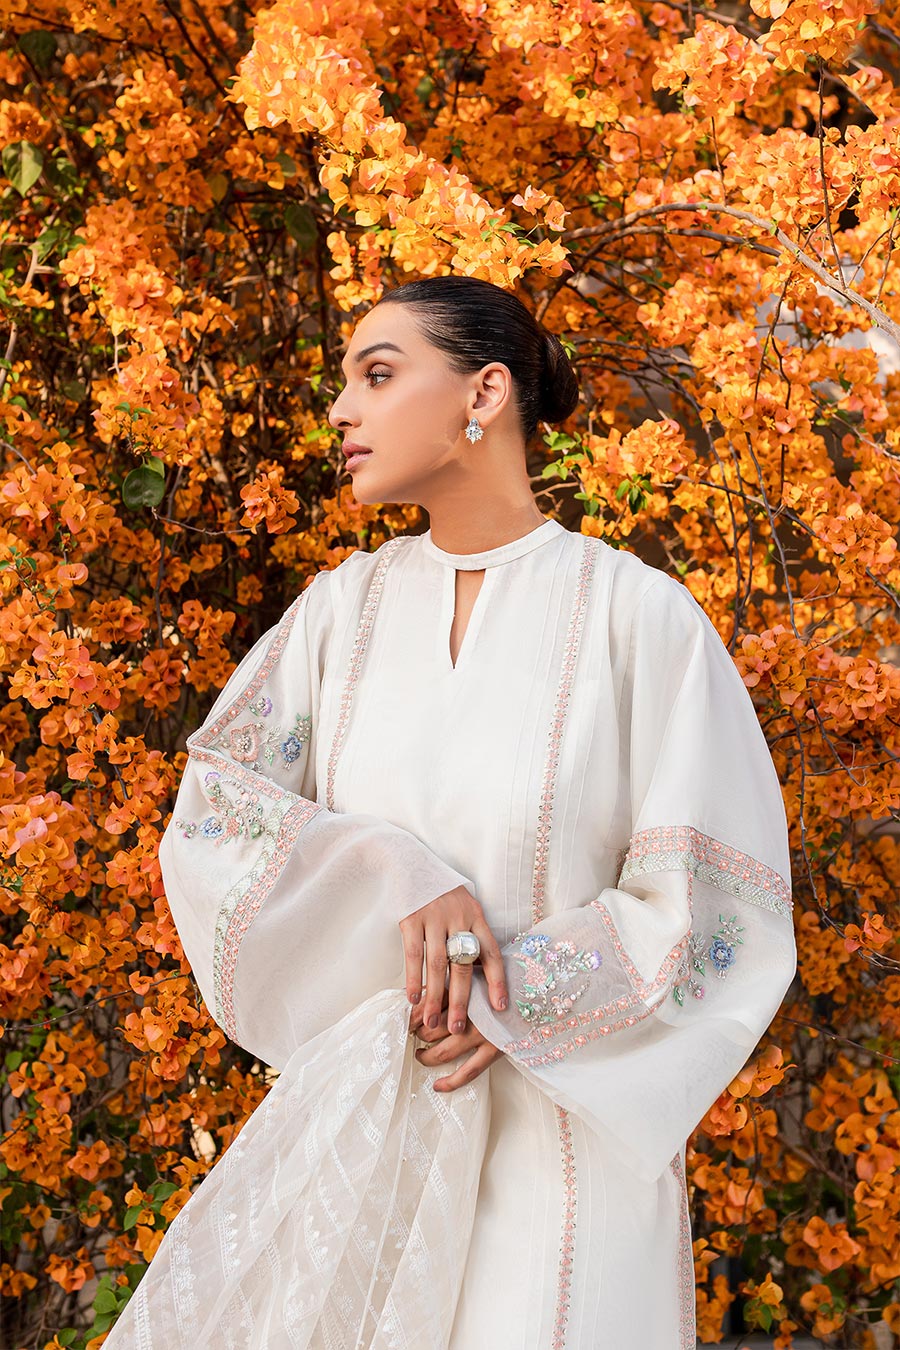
(433, 1020)
(414, 998)
(503, 1004)
(458, 1026)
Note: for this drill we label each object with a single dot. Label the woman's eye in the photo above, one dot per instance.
(376, 374)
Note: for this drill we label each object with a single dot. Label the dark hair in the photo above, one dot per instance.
(475, 322)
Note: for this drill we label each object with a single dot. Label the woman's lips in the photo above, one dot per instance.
(357, 458)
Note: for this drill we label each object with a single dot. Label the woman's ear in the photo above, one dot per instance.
(493, 391)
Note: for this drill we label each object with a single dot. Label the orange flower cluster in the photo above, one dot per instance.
(704, 208)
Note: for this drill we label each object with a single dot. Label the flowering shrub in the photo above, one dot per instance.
(197, 202)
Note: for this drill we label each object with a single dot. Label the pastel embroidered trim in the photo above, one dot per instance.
(669, 848)
(547, 967)
(211, 735)
(557, 727)
(686, 1281)
(567, 1237)
(720, 951)
(360, 645)
(243, 903)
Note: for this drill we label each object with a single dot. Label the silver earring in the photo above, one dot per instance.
(473, 430)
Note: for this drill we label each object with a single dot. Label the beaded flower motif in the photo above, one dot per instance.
(233, 818)
(720, 950)
(254, 741)
(547, 969)
(242, 815)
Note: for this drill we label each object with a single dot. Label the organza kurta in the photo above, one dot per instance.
(593, 770)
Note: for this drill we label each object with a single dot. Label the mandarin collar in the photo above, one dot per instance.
(490, 557)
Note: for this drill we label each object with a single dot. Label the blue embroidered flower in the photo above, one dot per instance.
(291, 748)
(532, 944)
(594, 960)
(211, 827)
(721, 953)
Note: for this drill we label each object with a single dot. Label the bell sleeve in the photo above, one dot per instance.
(287, 912)
(636, 1008)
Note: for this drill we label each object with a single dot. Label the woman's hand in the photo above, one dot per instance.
(446, 1045)
(425, 932)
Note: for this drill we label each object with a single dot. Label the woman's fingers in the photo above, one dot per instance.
(458, 1006)
(480, 1059)
(436, 967)
(413, 951)
(444, 1048)
(492, 965)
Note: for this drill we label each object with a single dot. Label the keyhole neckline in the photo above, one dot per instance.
(490, 557)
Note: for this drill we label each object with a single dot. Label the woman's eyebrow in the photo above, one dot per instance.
(367, 351)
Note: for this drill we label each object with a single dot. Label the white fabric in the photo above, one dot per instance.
(593, 770)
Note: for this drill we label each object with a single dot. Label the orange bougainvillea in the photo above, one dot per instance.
(197, 203)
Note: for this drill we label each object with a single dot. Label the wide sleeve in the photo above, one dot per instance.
(287, 912)
(636, 1008)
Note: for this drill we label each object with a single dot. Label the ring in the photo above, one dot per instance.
(463, 948)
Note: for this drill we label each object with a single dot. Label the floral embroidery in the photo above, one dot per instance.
(231, 819)
(720, 950)
(253, 741)
(297, 737)
(546, 968)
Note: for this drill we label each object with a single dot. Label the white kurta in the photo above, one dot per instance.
(593, 770)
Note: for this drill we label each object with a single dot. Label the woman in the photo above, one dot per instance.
(496, 734)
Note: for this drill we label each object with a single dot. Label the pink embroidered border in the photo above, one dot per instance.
(591, 549)
(676, 847)
(250, 901)
(557, 727)
(209, 734)
(237, 773)
(567, 1240)
(687, 1286)
(360, 644)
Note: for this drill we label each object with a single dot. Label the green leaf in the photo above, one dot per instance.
(106, 1301)
(14, 1059)
(39, 46)
(48, 239)
(61, 172)
(131, 1217)
(68, 1336)
(22, 164)
(143, 487)
(300, 224)
(287, 165)
(155, 465)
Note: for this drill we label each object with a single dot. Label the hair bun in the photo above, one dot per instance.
(559, 386)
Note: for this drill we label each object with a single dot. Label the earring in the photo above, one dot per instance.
(473, 430)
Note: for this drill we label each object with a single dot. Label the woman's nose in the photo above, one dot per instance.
(336, 416)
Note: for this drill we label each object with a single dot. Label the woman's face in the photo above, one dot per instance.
(403, 402)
